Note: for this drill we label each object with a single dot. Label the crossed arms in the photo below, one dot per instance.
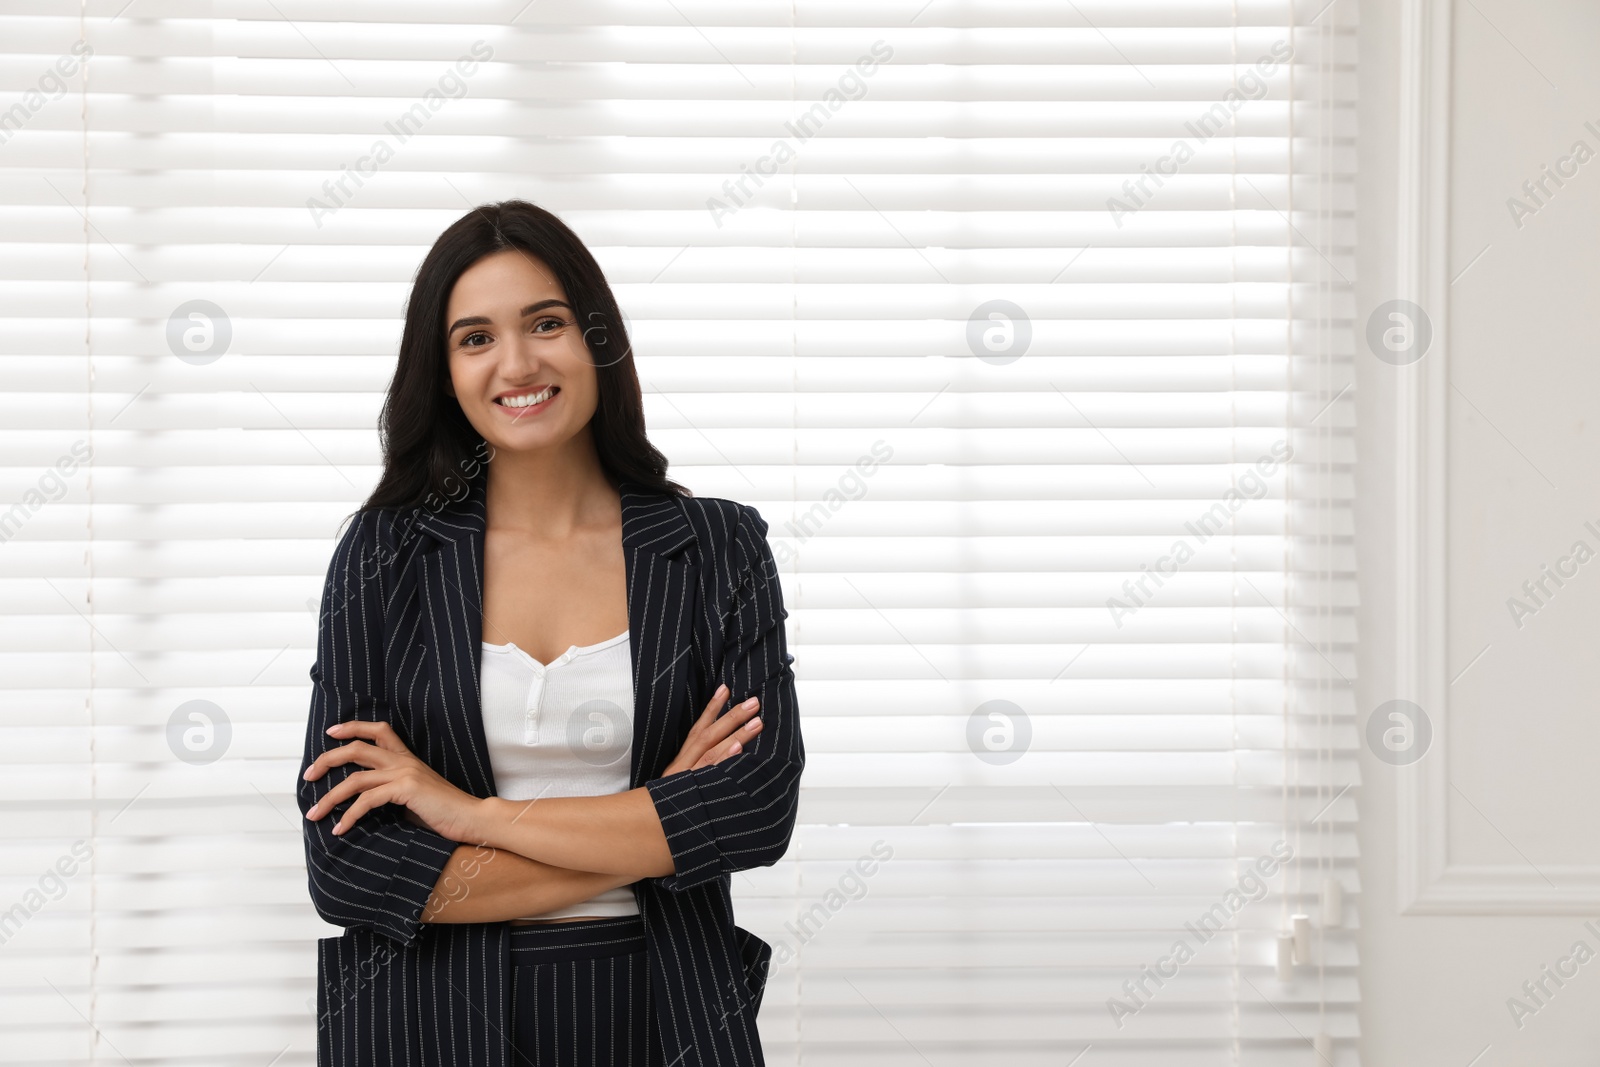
(411, 848)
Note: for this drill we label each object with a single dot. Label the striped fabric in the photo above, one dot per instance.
(580, 993)
(400, 640)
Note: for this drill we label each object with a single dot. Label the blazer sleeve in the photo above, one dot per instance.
(740, 813)
(381, 872)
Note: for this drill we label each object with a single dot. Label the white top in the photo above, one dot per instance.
(562, 730)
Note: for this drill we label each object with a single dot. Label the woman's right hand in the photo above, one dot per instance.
(713, 739)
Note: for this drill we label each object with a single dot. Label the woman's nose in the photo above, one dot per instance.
(518, 359)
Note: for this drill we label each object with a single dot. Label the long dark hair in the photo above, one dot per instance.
(430, 450)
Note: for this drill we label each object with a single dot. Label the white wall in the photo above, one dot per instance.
(1520, 723)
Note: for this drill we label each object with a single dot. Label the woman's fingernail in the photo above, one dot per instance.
(752, 702)
(334, 728)
(752, 724)
(734, 750)
(721, 690)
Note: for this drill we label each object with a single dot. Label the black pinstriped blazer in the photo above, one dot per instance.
(400, 640)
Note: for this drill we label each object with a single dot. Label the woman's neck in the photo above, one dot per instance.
(548, 497)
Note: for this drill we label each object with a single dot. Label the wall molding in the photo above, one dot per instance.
(1428, 882)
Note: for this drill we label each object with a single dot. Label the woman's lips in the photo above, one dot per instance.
(531, 409)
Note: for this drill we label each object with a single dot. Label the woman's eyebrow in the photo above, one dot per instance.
(484, 320)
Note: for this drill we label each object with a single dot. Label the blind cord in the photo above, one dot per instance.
(88, 552)
(1236, 1018)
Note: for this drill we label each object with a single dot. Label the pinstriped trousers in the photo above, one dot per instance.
(580, 994)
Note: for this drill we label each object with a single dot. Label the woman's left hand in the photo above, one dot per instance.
(396, 776)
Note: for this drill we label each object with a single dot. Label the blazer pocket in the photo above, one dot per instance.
(348, 965)
(755, 955)
(330, 951)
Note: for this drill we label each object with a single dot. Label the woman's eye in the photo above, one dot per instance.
(477, 339)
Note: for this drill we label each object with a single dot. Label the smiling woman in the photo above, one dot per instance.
(561, 817)
(509, 364)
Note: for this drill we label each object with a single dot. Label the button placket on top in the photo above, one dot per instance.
(537, 688)
(538, 685)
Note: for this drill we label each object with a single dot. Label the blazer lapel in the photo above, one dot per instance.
(661, 604)
(661, 588)
(450, 601)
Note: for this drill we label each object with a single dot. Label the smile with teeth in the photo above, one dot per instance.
(528, 400)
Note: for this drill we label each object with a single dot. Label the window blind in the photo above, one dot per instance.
(1027, 326)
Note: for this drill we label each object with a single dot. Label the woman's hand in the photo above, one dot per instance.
(396, 776)
(712, 739)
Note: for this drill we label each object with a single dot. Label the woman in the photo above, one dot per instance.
(517, 801)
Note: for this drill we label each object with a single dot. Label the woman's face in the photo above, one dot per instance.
(518, 362)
